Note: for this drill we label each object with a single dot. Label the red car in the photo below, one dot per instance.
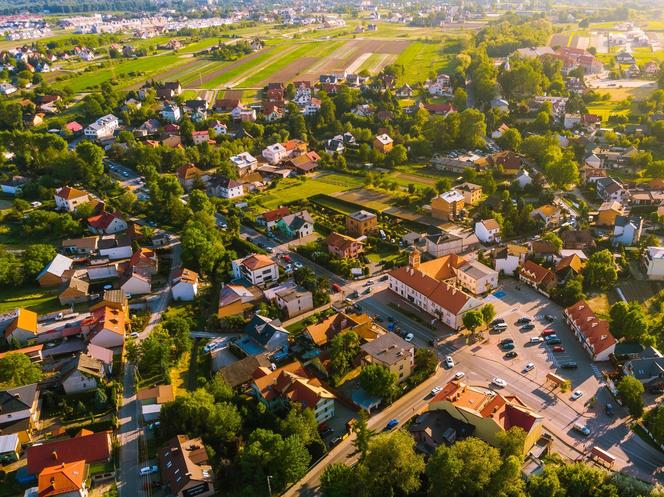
(558, 348)
(548, 332)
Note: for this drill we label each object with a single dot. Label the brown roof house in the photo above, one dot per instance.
(185, 468)
(539, 277)
(321, 333)
(76, 291)
(361, 222)
(343, 246)
(391, 351)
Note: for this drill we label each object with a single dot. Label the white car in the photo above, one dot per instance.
(499, 382)
(409, 337)
(436, 389)
(449, 362)
(134, 334)
(148, 470)
(577, 394)
(459, 374)
(529, 367)
(536, 340)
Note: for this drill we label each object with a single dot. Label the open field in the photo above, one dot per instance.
(421, 59)
(371, 199)
(290, 190)
(38, 300)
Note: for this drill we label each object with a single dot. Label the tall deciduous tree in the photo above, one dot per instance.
(631, 390)
(377, 380)
(16, 369)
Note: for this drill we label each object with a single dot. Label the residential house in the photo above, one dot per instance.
(476, 277)
(321, 334)
(269, 219)
(275, 153)
(185, 468)
(114, 246)
(184, 286)
(569, 266)
(240, 373)
(343, 246)
(609, 189)
(243, 114)
(305, 163)
(151, 400)
(258, 269)
(200, 137)
(226, 104)
(106, 223)
(446, 243)
(592, 332)
(489, 412)
(303, 93)
(608, 212)
(7, 88)
(500, 131)
(291, 384)
(85, 446)
(275, 92)
(448, 206)
(244, 163)
(54, 272)
(21, 326)
(361, 222)
(538, 277)
(296, 225)
(548, 214)
(653, 262)
(105, 327)
(263, 335)
(312, 108)
(10, 448)
(544, 249)
(237, 300)
(219, 128)
(221, 186)
(145, 260)
(487, 231)
(20, 409)
(171, 112)
(646, 369)
(69, 199)
(34, 353)
(440, 109)
(627, 230)
(76, 291)
(429, 286)
(101, 354)
(507, 259)
(509, 162)
(135, 282)
(383, 143)
(66, 479)
(651, 68)
(81, 374)
(189, 174)
(103, 128)
(472, 193)
(405, 91)
(391, 351)
(577, 239)
(294, 301)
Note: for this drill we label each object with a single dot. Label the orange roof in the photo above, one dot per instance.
(61, 479)
(275, 215)
(339, 241)
(102, 220)
(107, 318)
(293, 144)
(69, 193)
(442, 268)
(571, 261)
(323, 332)
(535, 273)
(143, 255)
(257, 261)
(25, 320)
(24, 350)
(187, 276)
(162, 393)
(595, 330)
(189, 172)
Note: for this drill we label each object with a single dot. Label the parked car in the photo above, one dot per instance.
(506, 340)
(500, 327)
(529, 367)
(548, 332)
(499, 382)
(148, 470)
(554, 341)
(535, 340)
(511, 354)
(523, 320)
(528, 327)
(583, 429)
(392, 423)
(335, 441)
(507, 346)
(569, 365)
(459, 374)
(449, 362)
(577, 394)
(608, 409)
(558, 349)
(550, 318)
(435, 390)
(326, 431)
(134, 334)
(497, 321)
(409, 337)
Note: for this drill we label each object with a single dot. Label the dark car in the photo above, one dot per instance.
(608, 409)
(506, 340)
(511, 354)
(378, 318)
(523, 320)
(326, 431)
(497, 321)
(550, 318)
(507, 346)
(569, 365)
(336, 440)
(554, 341)
(528, 327)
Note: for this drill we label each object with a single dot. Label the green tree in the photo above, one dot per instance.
(465, 469)
(340, 480)
(377, 380)
(90, 156)
(510, 139)
(553, 239)
(16, 369)
(488, 313)
(562, 173)
(571, 292)
(344, 347)
(631, 391)
(511, 442)
(391, 466)
(35, 258)
(425, 362)
(629, 321)
(460, 100)
(472, 128)
(398, 155)
(362, 433)
(472, 320)
(600, 271)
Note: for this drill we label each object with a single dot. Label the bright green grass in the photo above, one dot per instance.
(148, 66)
(315, 49)
(371, 62)
(421, 59)
(35, 299)
(291, 190)
(238, 70)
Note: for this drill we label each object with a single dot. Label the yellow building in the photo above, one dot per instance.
(608, 212)
(488, 411)
(447, 206)
(362, 324)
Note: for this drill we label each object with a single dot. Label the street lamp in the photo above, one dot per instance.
(269, 487)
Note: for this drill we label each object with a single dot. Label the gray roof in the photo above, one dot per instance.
(362, 215)
(17, 399)
(442, 237)
(644, 369)
(8, 443)
(388, 348)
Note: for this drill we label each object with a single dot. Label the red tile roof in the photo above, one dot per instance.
(595, 330)
(102, 220)
(88, 448)
(62, 479)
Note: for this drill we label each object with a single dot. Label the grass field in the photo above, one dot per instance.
(290, 190)
(37, 299)
(421, 59)
(237, 71)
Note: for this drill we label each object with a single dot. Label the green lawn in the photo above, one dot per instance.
(238, 70)
(290, 190)
(35, 299)
(420, 59)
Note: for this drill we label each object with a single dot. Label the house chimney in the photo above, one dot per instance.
(54, 455)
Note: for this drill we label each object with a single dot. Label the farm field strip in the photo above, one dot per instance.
(420, 59)
(359, 62)
(171, 73)
(226, 72)
(249, 71)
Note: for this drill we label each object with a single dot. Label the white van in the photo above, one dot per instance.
(500, 327)
(583, 429)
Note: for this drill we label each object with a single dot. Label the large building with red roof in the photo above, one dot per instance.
(489, 412)
(591, 331)
(85, 446)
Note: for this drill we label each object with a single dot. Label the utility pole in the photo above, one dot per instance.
(269, 487)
